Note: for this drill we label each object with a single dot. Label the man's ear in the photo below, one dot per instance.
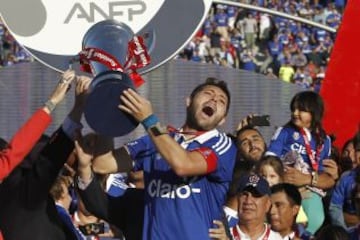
(295, 210)
(188, 101)
(268, 204)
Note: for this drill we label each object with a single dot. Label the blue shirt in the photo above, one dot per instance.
(178, 207)
(342, 193)
(288, 139)
(66, 219)
(221, 19)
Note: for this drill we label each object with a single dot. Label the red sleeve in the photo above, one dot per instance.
(210, 158)
(23, 141)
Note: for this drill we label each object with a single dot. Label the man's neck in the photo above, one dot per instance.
(253, 230)
(190, 133)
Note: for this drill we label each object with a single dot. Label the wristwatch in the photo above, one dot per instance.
(158, 130)
(314, 178)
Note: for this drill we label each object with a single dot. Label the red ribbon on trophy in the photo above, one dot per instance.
(137, 57)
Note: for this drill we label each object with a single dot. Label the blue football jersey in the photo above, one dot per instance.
(183, 207)
(288, 139)
(343, 192)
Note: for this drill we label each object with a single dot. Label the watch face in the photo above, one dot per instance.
(158, 130)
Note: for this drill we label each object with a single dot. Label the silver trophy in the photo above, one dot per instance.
(108, 52)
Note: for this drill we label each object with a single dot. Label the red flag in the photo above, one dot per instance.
(341, 87)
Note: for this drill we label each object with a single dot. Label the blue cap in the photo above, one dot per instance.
(256, 182)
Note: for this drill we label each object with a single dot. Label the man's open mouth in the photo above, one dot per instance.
(208, 111)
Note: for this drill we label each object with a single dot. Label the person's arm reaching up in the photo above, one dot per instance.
(26, 137)
(184, 163)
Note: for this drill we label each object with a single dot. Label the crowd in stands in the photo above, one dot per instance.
(275, 46)
(236, 37)
(10, 50)
(174, 184)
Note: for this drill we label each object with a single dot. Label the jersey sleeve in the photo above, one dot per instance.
(338, 194)
(139, 150)
(220, 158)
(325, 153)
(23, 141)
(277, 143)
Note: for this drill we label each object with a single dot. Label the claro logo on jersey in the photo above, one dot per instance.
(52, 31)
(300, 149)
(157, 188)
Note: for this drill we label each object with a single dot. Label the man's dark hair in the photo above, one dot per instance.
(291, 191)
(3, 144)
(211, 81)
(332, 232)
(356, 141)
(248, 127)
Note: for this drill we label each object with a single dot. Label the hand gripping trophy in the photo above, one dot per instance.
(111, 53)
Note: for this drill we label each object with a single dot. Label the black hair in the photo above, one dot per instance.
(347, 143)
(312, 102)
(3, 144)
(241, 131)
(291, 191)
(292, 195)
(332, 232)
(211, 81)
(356, 141)
(345, 162)
(247, 127)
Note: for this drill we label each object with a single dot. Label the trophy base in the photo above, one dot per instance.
(101, 110)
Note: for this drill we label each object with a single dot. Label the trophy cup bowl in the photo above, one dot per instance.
(108, 42)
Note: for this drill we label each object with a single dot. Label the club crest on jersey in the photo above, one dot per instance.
(296, 136)
(52, 31)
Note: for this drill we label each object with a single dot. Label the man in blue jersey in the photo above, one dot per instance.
(344, 206)
(187, 171)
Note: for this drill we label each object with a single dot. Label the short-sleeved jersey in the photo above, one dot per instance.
(116, 184)
(288, 139)
(342, 193)
(183, 207)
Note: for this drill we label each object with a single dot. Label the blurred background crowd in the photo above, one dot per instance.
(240, 38)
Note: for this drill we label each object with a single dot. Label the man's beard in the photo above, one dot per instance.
(191, 120)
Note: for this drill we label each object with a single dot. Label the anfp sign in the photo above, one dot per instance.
(52, 31)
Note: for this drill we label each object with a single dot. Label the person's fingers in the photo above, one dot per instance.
(67, 76)
(132, 96)
(127, 104)
(78, 148)
(329, 162)
(218, 223)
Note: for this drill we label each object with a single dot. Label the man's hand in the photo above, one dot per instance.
(294, 176)
(81, 93)
(331, 168)
(218, 233)
(61, 88)
(81, 90)
(85, 155)
(136, 105)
